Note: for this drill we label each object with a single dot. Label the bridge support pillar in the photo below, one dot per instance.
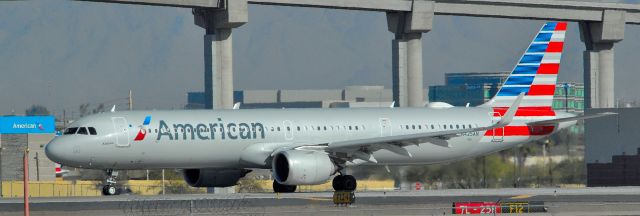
(399, 72)
(415, 81)
(408, 88)
(599, 39)
(218, 50)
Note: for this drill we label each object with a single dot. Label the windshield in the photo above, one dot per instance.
(69, 131)
(81, 130)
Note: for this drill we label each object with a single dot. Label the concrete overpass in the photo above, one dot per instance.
(601, 26)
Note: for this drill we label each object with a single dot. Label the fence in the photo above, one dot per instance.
(50, 189)
(154, 187)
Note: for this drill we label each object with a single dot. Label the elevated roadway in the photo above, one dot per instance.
(601, 25)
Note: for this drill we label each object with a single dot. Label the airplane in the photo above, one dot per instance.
(215, 148)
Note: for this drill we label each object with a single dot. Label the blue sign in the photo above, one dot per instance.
(27, 124)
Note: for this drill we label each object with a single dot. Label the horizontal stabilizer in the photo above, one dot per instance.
(511, 112)
(575, 118)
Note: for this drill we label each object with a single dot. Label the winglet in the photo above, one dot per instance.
(236, 106)
(113, 109)
(393, 104)
(511, 112)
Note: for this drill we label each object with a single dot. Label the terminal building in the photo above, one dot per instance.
(459, 89)
(612, 148)
(478, 88)
(351, 96)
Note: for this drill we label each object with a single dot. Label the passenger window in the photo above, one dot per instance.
(470, 126)
(457, 126)
(420, 127)
(445, 126)
(83, 130)
(288, 128)
(356, 127)
(70, 131)
(349, 127)
(325, 127)
(413, 127)
(298, 128)
(278, 128)
(432, 127)
(92, 131)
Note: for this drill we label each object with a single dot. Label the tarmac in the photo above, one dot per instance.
(558, 201)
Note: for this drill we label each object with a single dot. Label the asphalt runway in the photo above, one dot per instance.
(586, 201)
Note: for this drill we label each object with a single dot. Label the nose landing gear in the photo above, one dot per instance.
(110, 187)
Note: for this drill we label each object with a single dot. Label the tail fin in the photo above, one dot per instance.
(537, 71)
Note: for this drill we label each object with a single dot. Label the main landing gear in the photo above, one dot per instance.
(340, 183)
(280, 188)
(110, 187)
(344, 183)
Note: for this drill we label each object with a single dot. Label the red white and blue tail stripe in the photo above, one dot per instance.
(535, 74)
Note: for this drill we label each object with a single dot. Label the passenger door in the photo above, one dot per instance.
(385, 127)
(121, 129)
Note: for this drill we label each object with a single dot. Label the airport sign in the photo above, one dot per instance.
(27, 124)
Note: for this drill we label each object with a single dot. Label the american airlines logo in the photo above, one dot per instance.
(211, 131)
(143, 129)
(27, 126)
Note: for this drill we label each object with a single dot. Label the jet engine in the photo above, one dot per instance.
(300, 167)
(213, 177)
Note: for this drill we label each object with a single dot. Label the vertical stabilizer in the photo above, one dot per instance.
(536, 73)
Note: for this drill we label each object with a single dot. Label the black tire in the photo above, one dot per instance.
(350, 183)
(338, 183)
(104, 190)
(109, 190)
(280, 188)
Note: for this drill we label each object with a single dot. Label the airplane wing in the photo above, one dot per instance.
(575, 118)
(363, 148)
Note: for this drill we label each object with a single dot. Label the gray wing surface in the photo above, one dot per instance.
(575, 118)
(363, 148)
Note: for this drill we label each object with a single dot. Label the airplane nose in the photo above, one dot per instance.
(57, 151)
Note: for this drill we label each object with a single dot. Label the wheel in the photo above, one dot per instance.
(349, 183)
(280, 188)
(337, 183)
(109, 190)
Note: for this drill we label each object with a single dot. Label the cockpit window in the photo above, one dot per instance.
(70, 131)
(83, 130)
(92, 131)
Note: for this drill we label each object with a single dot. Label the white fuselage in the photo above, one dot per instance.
(246, 138)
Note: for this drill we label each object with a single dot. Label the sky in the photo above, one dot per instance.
(61, 54)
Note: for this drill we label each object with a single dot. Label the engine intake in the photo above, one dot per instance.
(300, 167)
(213, 177)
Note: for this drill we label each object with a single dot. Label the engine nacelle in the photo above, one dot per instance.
(213, 177)
(300, 167)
